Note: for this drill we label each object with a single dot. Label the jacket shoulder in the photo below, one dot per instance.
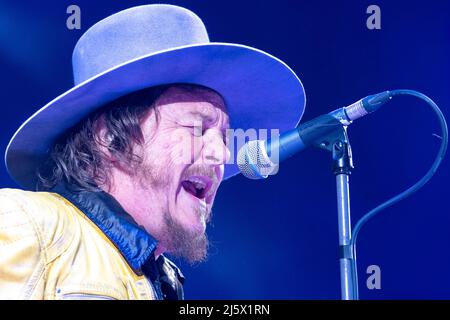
(22, 260)
(47, 213)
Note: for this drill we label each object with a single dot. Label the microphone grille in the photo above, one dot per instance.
(253, 161)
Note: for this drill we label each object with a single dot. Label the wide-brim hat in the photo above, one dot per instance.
(152, 45)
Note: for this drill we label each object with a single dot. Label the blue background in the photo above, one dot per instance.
(277, 239)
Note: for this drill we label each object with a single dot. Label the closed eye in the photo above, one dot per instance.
(199, 131)
(195, 130)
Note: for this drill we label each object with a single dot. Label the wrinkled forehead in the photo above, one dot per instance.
(194, 98)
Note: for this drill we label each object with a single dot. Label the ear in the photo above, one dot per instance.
(103, 139)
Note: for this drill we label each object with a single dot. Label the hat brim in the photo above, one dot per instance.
(260, 92)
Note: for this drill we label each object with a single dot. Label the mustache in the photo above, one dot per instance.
(202, 170)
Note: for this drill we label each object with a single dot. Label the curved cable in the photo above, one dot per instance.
(419, 184)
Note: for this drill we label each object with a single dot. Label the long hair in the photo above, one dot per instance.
(78, 157)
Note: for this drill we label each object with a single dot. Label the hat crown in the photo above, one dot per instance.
(133, 33)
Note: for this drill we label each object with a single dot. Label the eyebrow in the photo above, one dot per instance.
(213, 119)
(210, 115)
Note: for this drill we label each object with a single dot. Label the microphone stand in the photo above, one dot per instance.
(338, 144)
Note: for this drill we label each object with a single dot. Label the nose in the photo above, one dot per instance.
(215, 150)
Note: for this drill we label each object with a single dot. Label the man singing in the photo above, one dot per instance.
(124, 167)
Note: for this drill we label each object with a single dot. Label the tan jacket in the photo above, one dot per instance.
(49, 249)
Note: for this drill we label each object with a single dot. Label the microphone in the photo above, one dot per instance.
(258, 159)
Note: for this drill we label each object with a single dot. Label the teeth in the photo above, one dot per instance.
(198, 183)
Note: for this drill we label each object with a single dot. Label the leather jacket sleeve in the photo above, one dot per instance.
(22, 262)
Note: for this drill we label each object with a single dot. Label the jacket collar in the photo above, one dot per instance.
(133, 242)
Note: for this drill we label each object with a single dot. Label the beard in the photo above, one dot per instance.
(178, 241)
(185, 244)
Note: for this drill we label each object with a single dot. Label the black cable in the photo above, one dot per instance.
(419, 184)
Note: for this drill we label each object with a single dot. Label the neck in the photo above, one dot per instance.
(143, 208)
(159, 250)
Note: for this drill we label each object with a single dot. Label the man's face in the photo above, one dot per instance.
(183, 164)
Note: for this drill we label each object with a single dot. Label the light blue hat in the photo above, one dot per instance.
(152, 45)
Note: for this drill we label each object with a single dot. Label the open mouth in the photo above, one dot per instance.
(198, 186)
